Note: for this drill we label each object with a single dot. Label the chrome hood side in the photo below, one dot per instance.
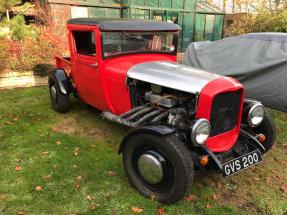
(172, 75)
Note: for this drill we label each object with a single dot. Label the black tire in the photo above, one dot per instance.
(268, 128)
(60, 101)
(177, 166)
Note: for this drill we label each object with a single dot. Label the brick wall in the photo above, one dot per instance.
(60, 15)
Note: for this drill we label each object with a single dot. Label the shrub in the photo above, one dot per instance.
(18, 30)
(30, 52)
(3, 54)
(263, 21)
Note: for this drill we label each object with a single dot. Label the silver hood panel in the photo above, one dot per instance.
(172, 75)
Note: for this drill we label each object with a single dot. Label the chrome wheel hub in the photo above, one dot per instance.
(54, 92)
(150, 168)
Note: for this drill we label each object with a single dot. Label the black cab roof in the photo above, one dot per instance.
(126, 24)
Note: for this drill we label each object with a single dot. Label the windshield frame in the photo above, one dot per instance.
(173, 53)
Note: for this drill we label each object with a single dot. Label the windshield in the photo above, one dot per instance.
(118, 43)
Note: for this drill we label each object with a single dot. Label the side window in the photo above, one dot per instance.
(84, 42)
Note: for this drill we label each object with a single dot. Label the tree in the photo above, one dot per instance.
(6, 5)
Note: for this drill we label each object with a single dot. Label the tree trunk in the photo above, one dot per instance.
(7, 15)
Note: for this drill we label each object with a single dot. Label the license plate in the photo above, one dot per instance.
(241, 163)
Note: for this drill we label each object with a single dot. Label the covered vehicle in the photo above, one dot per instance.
(257, 60)
(182, 118)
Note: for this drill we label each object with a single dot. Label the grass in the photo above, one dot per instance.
(72, 159)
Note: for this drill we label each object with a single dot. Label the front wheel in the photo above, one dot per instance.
(159, 166)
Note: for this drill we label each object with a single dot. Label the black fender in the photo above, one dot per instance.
(62, 79)
(158, 130)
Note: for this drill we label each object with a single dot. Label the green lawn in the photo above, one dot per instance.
(72, 160)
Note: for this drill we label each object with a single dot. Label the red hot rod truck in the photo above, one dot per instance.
(183, 119)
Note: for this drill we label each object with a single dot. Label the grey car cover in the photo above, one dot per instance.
(258, 61)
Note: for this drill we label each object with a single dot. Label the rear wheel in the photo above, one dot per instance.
(159, 166)
(60, 101)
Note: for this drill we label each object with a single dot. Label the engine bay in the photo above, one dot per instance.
(176, 107)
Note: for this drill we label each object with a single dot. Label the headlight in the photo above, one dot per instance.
(256, 115)
(200, 131)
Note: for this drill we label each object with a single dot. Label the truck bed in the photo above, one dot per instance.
(63, 63)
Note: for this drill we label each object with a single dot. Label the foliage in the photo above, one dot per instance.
(30, 54)
(263, 21)
(27, 54)
(8, 4)
(29, 47)
(18, 28)
(3, 54)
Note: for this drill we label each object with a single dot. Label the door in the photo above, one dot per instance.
(218, 27)
(199, 27)
(209, 27)
(85, 66)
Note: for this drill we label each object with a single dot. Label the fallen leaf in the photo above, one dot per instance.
(90, 197)
(39, 188)
(215, 197)
(92, 207)
(269, 180)
(160, 211)
(137, 210)
(79, 177)
(2, 196)
(45, 153)
(76, 151)
(75, 166)
(10, 123)
(18, 168)
(77, 186)
(280, 130)
(219, 185)
(58, 142)
(47, 177)
(278, 177)
(208, 206)
(21, 213)
(111, 173)
(256, 179)
(190, 198)
(153, 197)
(9, 116)
(93, 146)
(284, 188)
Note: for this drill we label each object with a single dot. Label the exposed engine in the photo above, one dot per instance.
(157, 105)
(176, 107)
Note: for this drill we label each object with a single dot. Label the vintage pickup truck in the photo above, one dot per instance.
(183, 119)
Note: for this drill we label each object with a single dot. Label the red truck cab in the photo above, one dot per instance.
(183, 118)
(96, 58)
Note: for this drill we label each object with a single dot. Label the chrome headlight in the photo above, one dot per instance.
(256, 115)
(200, 131)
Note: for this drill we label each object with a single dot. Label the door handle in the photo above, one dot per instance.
(94, 65)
